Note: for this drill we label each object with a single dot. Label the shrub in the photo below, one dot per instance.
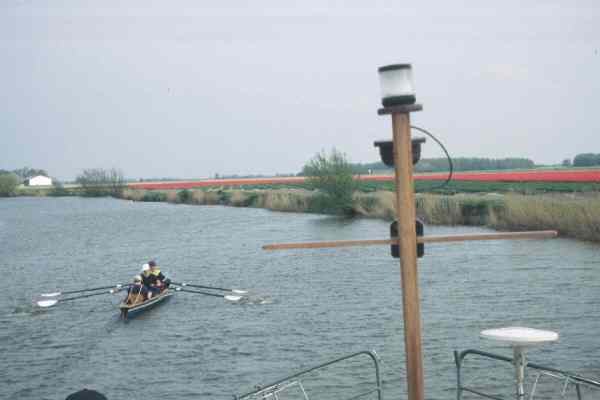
(184, 196)
(8, 184)
(154, 196)
(59, 191)
(224, 196)
(332, 176)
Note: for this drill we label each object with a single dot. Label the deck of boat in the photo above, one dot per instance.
(132, 310)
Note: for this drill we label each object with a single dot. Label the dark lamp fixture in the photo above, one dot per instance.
(386, 150)
(397, 87)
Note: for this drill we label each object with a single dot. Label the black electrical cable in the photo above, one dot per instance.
(445, 151)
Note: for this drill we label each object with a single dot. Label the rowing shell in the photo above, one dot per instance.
(131, 311)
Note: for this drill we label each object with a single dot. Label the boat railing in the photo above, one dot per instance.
(569, 380)
(272, 391)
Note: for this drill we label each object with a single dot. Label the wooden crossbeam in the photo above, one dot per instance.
(420, 239)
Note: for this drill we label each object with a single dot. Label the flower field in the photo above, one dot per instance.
(216, 183)
(550, 176)
(522, 176)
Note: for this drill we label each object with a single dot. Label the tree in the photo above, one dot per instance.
(27, 172)
(332, 176)
(8, 184)
(586, 160)
(100, 182)
(58, 189)
(566, 162)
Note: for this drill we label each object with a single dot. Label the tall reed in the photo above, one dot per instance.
(573, 216)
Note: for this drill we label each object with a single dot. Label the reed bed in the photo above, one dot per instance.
(293, 200)
(572, 216)
(432, 209)
(380, 204)
(576, 216)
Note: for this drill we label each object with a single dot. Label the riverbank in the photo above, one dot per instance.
(573, 215)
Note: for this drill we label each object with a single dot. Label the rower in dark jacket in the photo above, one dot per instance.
(157, 277)
(136, 291)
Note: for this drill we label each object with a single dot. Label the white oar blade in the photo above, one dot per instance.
(232, 298)
(238, 291)
(54, 294)
(47, 303)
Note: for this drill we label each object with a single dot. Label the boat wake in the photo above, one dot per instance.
(256, 300)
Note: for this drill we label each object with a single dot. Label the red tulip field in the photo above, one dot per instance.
(548, 176)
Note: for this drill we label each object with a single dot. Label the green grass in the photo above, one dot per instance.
(451, 188)
(487, 187)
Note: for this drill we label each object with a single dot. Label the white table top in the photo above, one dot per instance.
(520, 336)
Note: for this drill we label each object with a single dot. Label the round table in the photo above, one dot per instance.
(520, 339)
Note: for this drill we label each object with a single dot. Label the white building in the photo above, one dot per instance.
(39, 180)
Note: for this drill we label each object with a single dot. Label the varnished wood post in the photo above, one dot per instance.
(405, 213)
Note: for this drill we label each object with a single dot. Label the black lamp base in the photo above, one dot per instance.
(386, 150)
(398, 100)
(400, 109)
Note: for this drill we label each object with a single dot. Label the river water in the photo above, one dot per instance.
(307, 306)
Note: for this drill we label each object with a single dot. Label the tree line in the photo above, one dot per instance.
(97, 182)
(477, 164)
(25, 172)
(586, 160)
(10, 179)
(92, 182)
(459, 164)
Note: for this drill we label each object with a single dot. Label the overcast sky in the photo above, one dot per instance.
(192, 88)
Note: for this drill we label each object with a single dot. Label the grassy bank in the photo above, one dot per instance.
(292, 200)
(573, 216)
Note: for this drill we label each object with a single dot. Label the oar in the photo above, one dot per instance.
(54, 294)
(238, 291)
(226, 297)
(51, 302)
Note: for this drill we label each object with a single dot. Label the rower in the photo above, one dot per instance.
(137, 291)
(148, 280)
(159, 279)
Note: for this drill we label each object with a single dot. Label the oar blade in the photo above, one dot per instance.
(233, 298)
(53, 294)
(47, 303)
(238, 291)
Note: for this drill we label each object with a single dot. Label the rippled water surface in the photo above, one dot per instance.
(323, 303)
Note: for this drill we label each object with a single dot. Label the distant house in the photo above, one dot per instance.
(39, 180)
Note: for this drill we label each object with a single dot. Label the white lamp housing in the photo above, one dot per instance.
(396, 85)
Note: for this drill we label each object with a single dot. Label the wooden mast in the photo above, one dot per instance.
(407, 241)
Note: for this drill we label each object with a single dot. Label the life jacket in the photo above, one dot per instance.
(156, 272)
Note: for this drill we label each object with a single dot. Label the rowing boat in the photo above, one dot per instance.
(136, 308)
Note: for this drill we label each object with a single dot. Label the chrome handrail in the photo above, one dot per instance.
(271, 389)
(570, 378)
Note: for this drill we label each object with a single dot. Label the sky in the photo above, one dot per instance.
(190, 89)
